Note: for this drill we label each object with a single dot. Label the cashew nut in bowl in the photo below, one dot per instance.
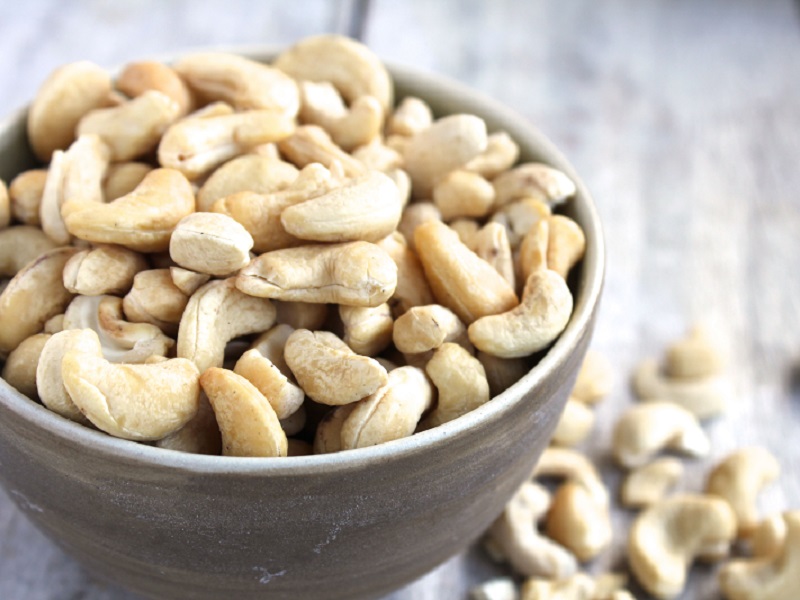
(412, 287)
(768, 536)
(328, 437)
(415, 215)
(19, 245)
(138, 77)
(500, 155)
(302, 315)
(20, 368)
(311, 144)
(284, 396)
(122, 178)
(210, 243)
(411, 116)
(103, 269)
(25, 193)
(200, 435)
(367, 330)
(460, 380)
(187, 281)
(533, 180)
(566, 244)
(155, 299)
(668, 536)
(463, 193)
(491, 244)
(425, 328)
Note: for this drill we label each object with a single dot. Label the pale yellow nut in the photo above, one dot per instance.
(54, 324)
(350, 66)
(460, 380)
(412, 287)
(415, 215)
(49, 373)
(411, 116)
(328, 437)
(520, 217)
(19, 245)
(64, 98)
(424, 328)
(377, 156)
(122, 178)
(352, 273)
(466, 229)
(246, 173)
(142, 220)
(491, 244)
(577, 587)
(241, 82)
(271, 344)
(5, 206)
(594, 380)
(247, 422)
(328, 371)
(19, 371)
(104, 269)
(739, 478)
(518, 540)
(768, 536)
(25, 193)
(284, 396)
(200, 435)
(771, 577)
(134, 128)
(35, 294)
(302, 315)
(499, 588)
(217, 313)
(500, 155)
(462, 193)
(366, 208)
(667, 537)
(649, 483)
(138, 77)
(696, 355)
(187, 281)
(609, 586)
(197, 145)
(575, 424)
(135, 402)
(312, 144)
(154, 298)
(367, 330)
(531, 326)
(50, 217)
(502, 373)
(533, 180)
(391, 412)
(460, 280)
(349, 127)
(210, 243)
(566, 244)
(578, 522)
(569, 464)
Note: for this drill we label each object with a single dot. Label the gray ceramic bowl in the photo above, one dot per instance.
(357, 524)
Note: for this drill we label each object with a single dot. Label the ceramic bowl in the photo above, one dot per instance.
(356, 524)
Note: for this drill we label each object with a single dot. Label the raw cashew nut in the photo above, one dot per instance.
(25, 193)
(19, 245)
(349, 128)
(649, 483)
(187, 281)
(578, 522)
(217, 313)
(595, 378)
(491, 244)
(65, 97)
(463, 193)
(328, 437)
(312, 144)
(500, 155)
(577, 587)
(739, 478)
(391, 412)
(533, 180)
(412, 286)
(283, 395)
(20, 368)
(350, 66)
(200, 435)
(49, 376)
(410, 117)
(693, 356)
(247, 422)
(499, 588)
(519, 541)
(377, 156)
(566, 244)
(143, 220)
(103, 269)
(210, 243)
(773, 577)
(134, 402)
(328, 370)
(353, 273)
(34, 295)
(768, 536)
(155, 299)
(575, 424)
(705, 397)
(542, 315)
(367, 330)
(122, 178)
(138, 77)
(533, 248)
(461, 381)
(565, 463)
(646, 429)
(460, 280)
(665, 539)
(425, 328)
(520, 217)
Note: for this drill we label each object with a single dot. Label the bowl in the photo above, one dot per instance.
(356, 524)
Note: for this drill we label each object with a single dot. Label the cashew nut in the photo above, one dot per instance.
(301, 315)
(425, 328)
(137, 78)
(20, 368)
(377, 156)
(210, 243)
(25, 194)
(649, 483)
(412, 286)
(216, 313)
(467, 229)
(500, 155)
(367, 330)
(575, 424)
(577, 587)
(187, 281)
(200, 435)
(135, 402)
(491, 244)
(520, 217)
(499, 588)
(531, 326)
(328, 437)
(415, 215)
(283, 395)
(502, 373)
(271, 344)
(739, 478)
(391, 412)
(666, 537)
(122, 178)
(50, 217)
(312, 144)
(353, 273)
(410, 117)
(519, 541)
(594, 380)
(693, 356)
(771, 577)
(533, 180)
(768, 537)
(566, 244)
(328, 370)
(19, 245)
(461, 381)
(155, 299)
(103, 269)
(462, 193)
(565, 463)
(247, 422)
(54, 324)
(646, 429)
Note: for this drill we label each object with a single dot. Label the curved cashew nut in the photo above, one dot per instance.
(520, 216)
(34, 295)
(377, 156)
(594, 380)
(352, 273)
(131, 221)
(646, 429)
(367, 330)
(500, 155)
(217, 313)
(577, 587)
(272, 343)
(200, 435)
(575, 424)
(533, 180)
(210, 243)
(565, 463)
(138, 77)
(462, 193)
(283, 395)
(533, 248)
(20, 368)
(155, 299)
(665, 539)
(695, 355)
(415, 215)
(578, 522)
(328, 370)
(19, 245)
(134, 402)
(122, 178)
(491, 244)
(411, 116)
(25, 193)
(703, 397)
(349, 128)
(412, 286)
(771, 577)
(519, 541)
(566, 244)
(739, 478)
(246, 420)
(541, 316)
(649, 483)
(49, 375)
(104, 269)
(390, 413)
(461, 381)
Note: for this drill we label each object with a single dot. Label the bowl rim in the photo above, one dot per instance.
(593, 270)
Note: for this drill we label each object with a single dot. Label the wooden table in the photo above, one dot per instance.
(683, 117)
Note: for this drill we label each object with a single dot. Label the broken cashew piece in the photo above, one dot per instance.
(668, 536)
(649, 483)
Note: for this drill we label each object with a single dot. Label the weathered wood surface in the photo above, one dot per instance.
(683, 117)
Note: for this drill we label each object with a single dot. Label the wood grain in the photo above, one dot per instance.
(683, 119)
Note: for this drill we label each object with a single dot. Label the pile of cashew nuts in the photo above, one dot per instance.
(669, 532)
(223, 256)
